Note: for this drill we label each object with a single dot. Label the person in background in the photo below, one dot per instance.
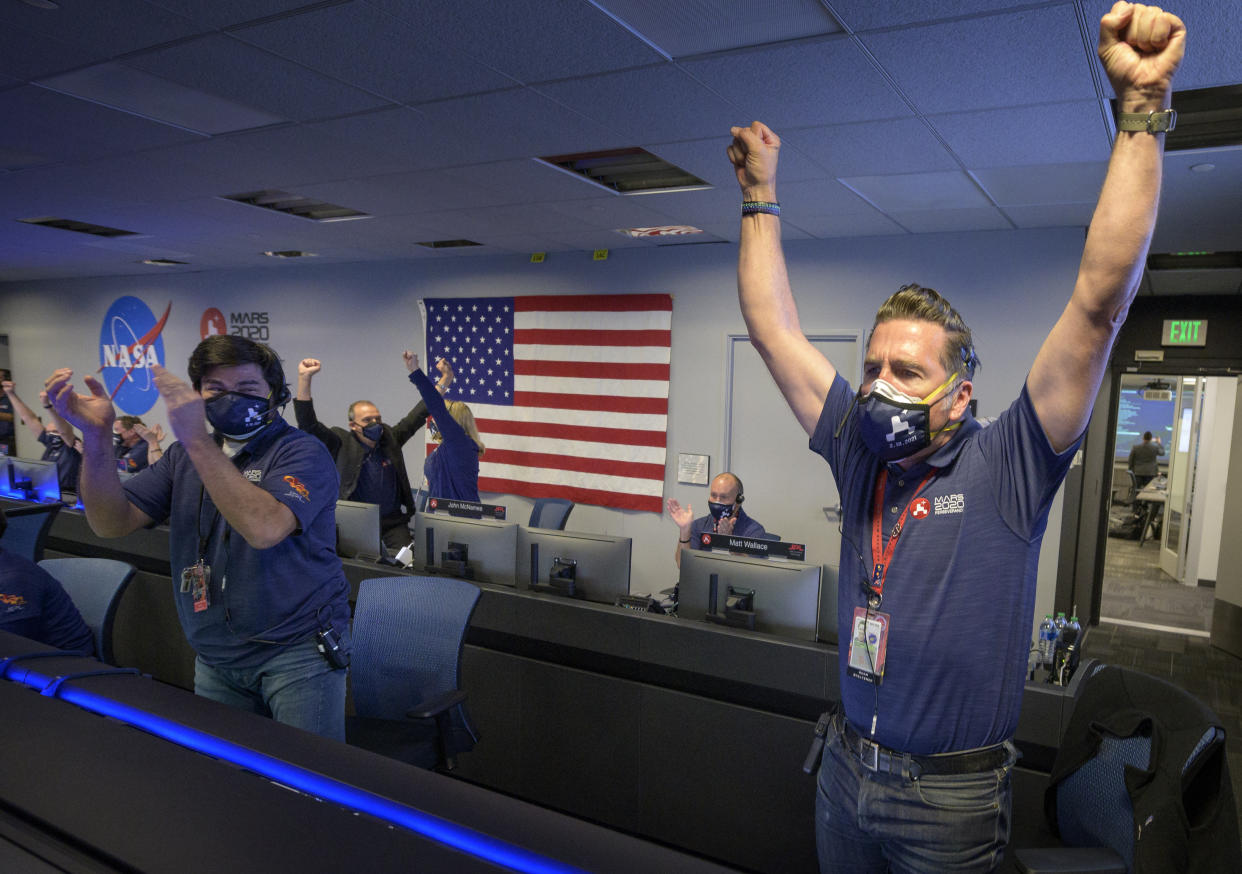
(452, 470)
(35, 605)
(725, 516)
(1142, 459)
(8, 434)
(130, 448)
(57, 437)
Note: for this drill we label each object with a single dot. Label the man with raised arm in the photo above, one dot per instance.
(250, 509)
(942, 519)
(56, 438)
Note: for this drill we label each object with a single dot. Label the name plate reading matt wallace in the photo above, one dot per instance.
(467, 509)
(753, 546)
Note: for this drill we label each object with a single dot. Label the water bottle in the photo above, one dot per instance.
(1066, 651)
(1047, 641)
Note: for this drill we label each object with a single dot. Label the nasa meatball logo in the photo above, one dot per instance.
(921, 509)
(129, 343)
(212, 323)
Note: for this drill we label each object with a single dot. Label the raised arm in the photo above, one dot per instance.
(304, 407)
(108, 510)
(801, 372)
(249, 510)
(1140, 48)
(154, 437)
(65, 429)
(27, 415)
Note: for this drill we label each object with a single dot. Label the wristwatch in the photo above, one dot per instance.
(1151, 122)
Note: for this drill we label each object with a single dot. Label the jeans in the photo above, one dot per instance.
(867, 821)
(295, 686)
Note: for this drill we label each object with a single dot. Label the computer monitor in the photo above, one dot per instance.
(27, 479)
(785, 598)
(491, 546)
(601, 562)
(358, 530)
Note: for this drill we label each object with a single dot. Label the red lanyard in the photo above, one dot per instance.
(885, 553)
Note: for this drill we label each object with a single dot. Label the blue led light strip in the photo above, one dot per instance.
(442, 831)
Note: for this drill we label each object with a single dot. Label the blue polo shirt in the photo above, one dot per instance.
(261, 600)
(452, 470)
(132, 459)
(960, 589)
(743, 527)
(68, 461)
(35, 605)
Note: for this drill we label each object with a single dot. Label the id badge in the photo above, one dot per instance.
(868, 646)
(196, 579)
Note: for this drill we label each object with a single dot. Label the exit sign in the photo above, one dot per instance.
(1184, 332)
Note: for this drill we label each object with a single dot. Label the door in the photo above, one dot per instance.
(789, 489)
(1175, 531)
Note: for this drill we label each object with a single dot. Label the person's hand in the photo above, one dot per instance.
(154, 435)
(309, 367)
(7, 386)
(411, 360)
(725, 525)
(1140, 48)
(186, 415)
(753, 153)
(682, 516)
(446, 375)
(91, 412)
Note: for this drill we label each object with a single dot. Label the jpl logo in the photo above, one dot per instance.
(129, 343)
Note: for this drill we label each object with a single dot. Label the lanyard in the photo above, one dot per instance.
(883, 555)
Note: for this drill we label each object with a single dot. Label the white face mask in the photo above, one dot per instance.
(884, 390)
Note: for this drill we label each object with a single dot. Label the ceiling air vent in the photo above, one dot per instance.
(449, 244)
(626, 171)
(1206, 118)
(297, 205)
(80, 227)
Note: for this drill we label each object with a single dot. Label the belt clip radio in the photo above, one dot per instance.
(328, 643)
(816, 752)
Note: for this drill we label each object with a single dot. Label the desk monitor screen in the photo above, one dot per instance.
(358, 530)
(786, 593)
(602, 561)
(491, 545)
(29, 480)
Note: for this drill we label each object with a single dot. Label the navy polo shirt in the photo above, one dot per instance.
(68, 461)
(960, 589)
(743, 527)
(452, 470)
(261, 600)
(35, 605)
(133, 458)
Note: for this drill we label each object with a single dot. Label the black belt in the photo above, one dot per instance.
(875, 757)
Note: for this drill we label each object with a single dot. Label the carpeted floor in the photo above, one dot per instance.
(1136, 590)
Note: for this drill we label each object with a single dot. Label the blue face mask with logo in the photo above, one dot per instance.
(236, 415)
(374, 431)
(894, 425)
(719, 511)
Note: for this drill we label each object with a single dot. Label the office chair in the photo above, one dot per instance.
(550, 513)
(420, 500)
(406, 671)
(95, 585)
(1140, 783)
(27, 529)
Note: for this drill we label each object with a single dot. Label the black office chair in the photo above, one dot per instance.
(1140, 783)
(406, 672)
(550, 513)
(95, 585)
(27, 529)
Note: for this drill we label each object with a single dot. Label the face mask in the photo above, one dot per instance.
(117, 439)
(373, 432)
(719, 511)
(894, 425)
(236, 415)
(54, 441)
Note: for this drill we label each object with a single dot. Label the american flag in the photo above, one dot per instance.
(570, 392)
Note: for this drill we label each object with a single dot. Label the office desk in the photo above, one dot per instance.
(1154, 500)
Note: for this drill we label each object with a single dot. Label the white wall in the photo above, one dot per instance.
(1211, 477)
(1010, 286)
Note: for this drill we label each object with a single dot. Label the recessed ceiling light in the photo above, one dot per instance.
(161, 262)
(42, 4)
(1202, 168)
(290, 253)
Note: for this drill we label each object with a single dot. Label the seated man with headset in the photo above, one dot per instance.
(250, 509)
(725, 516)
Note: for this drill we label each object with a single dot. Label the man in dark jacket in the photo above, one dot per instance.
(368, 455)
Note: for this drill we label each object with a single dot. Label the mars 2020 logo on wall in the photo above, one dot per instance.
(253, 326)
(129, 343)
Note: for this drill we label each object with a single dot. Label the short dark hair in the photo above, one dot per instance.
(922, 304)
(130, 421)
(1146, 435)
(227, 350)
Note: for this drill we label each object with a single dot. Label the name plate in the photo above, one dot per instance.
(466, 509)
(753, 546)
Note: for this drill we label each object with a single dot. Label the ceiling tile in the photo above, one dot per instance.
(365, 47)
(985, 63)
(1051, 215)
(707, 160)
(223, 13)
(935, 221)
(903, 145)
(918, 191)
(818, 197)
(523, 181)
(793, 85)
(532, 42)
(1043, 184)
(870, 14)
(855, 224)
(228, 68)
(1073, 133)
(677, 28)
(28, 55)
(111, 27)
(1213, 35)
